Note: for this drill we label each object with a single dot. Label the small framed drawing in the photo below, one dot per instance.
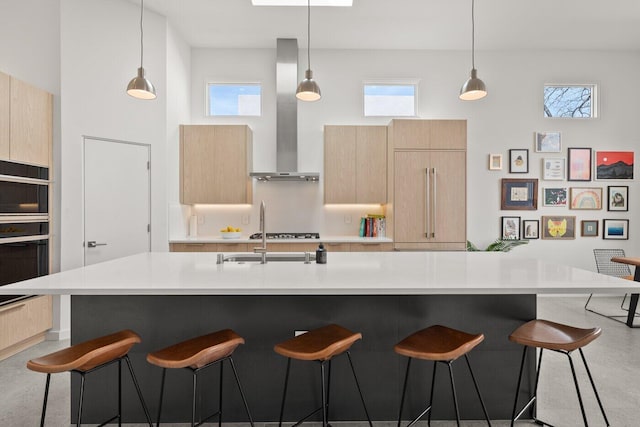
(555, 196)
(559, 227)
(495, 162)
(618, 197)
(616, 165)
(519, 161)
(510, 228)
(579, 164)
(589, 228)
(531, 229)
(519, 194)
(585, 198)
(547, 142)
(553, 169)
(615, 229)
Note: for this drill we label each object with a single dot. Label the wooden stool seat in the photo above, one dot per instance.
(553, 336)
(86, 355)
(319, 344)
(438, 343)
(197, 352)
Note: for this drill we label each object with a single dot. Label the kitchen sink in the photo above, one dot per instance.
(305, 257)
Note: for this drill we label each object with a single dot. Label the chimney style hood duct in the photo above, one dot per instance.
(287, 118)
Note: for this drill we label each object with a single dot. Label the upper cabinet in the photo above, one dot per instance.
(355, 164)
(215, 161)
(428, 134)
(26, 122)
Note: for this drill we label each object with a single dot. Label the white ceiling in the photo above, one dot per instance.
(410, 24)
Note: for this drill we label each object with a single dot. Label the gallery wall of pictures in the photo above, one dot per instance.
(574, 183)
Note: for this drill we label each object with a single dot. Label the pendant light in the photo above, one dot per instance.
(308, 89)
(473, 88)
(140, 87)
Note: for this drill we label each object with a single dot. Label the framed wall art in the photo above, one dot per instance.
(589, 228)
(615, 229)
(495, 162)
(553, 169)
(615, 165)
(519, 194)
(579, 164)
(510, 227)
(530, 229)
(555, 196)
(618, 198)
(585, 198)
(547, 142)
(519, 161)
(558, 227)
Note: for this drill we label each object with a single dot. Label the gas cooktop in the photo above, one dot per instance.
(286, 236)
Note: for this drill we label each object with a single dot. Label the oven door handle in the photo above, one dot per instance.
(93, 244)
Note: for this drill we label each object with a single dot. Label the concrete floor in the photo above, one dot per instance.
(614, 360)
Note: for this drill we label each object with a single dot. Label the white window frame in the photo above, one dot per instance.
(393, 82)
(594, 99)
(207, 100)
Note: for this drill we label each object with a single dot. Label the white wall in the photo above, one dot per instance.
(506, 119)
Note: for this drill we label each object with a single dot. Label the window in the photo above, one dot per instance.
(572, 101)
(242, 99)
(390, 99)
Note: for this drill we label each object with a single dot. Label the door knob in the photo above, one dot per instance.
(93, 244)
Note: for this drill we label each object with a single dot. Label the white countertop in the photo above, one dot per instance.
(245, 239)
(346, 273)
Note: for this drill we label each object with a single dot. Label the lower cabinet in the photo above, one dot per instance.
(281, 247)
(23, 324)
(208, 247)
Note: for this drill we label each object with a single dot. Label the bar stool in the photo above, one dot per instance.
(560, 338)
(441, 345)
(87, 357)
(320, 345)
(197, 354)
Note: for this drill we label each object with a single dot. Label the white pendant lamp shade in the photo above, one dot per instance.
(308, 89)
(473, 88)
(140, 87)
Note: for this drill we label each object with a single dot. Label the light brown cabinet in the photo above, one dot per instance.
(355, 164)
(215, 161)
(26, 122)
(23, 324)
(208, 247)
(429, 185)
(279, 247)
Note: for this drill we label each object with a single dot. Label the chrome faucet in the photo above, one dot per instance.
(263, 249)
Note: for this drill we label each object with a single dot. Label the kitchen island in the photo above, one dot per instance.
(167, 297)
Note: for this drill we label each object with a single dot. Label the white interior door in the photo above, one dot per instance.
(117, 198)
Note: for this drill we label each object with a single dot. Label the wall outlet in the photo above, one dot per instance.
(347, 219)
(298, 333)
(246, 219)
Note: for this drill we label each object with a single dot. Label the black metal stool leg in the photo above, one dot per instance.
(119, 392)
(193, 401)
(433, 382)
(475, 383)
(455, 397)
(593, 385)
(328, 387)
(364, 405)
(324, 395)
(575, 380)
(404, 390)
(81, 397)
(220, 389)
(244, 400)
(164, 374)
(284, 393)
(135, 383)
(46, 397)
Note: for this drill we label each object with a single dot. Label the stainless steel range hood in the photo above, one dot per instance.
(287, 118)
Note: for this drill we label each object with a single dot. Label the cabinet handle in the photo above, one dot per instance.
(435, 202)
(15, 307)
(427, 207)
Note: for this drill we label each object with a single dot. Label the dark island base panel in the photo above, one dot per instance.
(266, 320)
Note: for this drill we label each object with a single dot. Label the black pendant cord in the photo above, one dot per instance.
(141, 32)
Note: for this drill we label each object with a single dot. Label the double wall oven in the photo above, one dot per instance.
(24, 224)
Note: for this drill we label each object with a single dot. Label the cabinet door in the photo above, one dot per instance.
(371, 164)
(429, 134)
(31, 123)
(5, 95)
(430, 197)
(339, 164)
(214, 164)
